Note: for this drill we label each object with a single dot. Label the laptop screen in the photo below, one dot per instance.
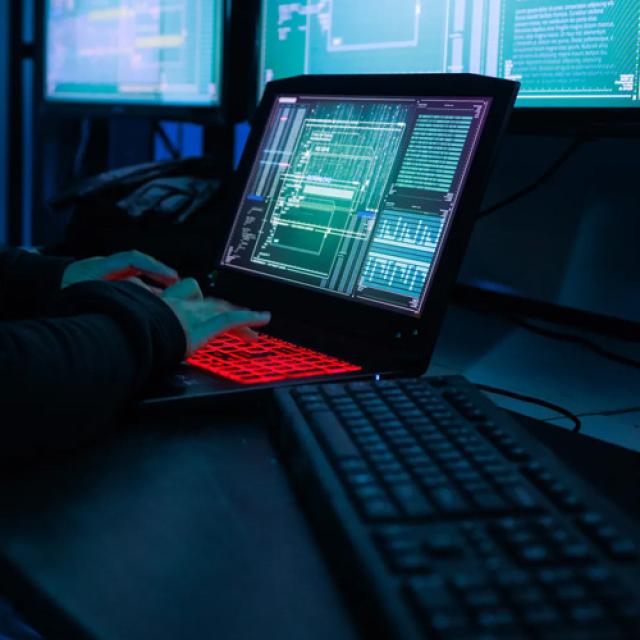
(353, 196)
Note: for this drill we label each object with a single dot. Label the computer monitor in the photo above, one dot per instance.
(569, 55)
(354, 195)
(134, 55)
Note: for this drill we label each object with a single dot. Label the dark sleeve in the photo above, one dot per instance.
(64, 377)
(28, 282)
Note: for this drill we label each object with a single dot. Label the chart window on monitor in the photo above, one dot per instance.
(354, 196)
(138, 52)
(565, 53)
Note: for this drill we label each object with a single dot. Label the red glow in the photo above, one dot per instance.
(266, 360)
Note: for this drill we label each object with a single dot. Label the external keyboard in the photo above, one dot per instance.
(447, 519)
(268, 359)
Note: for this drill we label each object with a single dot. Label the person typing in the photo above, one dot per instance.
(79, 339)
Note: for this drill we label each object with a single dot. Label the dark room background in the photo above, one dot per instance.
(572, 242)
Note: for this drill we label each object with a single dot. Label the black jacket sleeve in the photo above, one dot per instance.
(28, 282)
(63, 377)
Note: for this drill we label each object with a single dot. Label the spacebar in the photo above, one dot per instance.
(332, 434)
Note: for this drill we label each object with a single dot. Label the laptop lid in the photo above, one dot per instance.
(355, 199)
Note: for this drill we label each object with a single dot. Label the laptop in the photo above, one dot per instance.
(354, 201)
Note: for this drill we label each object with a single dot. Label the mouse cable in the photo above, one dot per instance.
(577, 424)
(548, 173)
(577, 339)
(171, 149)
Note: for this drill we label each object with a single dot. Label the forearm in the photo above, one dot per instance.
(64, 378)
(62, 381)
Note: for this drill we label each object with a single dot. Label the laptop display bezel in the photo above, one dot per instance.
(389, 328)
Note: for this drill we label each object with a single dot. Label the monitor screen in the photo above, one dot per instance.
(134, 52)
(565, 53)
(354, 196)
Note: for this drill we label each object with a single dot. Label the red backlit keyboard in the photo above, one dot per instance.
(266, 360)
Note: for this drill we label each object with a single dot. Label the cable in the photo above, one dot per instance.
(577, 424)
(81, 149)
(168, 145)
(550, 171)
(572, 337)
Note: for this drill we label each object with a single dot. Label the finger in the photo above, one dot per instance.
(187, 289)
(246, 334)
(228, 321)
(137, 281)
(143, 264)
(144, 285)
(123, 274)
(221, 305)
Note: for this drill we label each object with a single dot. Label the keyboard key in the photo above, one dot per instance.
(488, 501)
(527, 595)
(495, 619)
(360, 479)
(330, 432)
(512, 578)
(521, 497)
(587, 614)
(378, 509)
(411, 562)
(411, 501)
(350, 464)
(396, 478)
(534, 554)
(556, 575)
(541, 617)
(575, 552)
(437, 607)
(334, 390)
(431, 593)
(622, 549)
(570, 591)
(467, 581)
(369, 491)
(444, 543)
(482, 598)
(449, 500)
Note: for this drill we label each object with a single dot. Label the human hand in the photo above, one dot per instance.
(204, 318)
(127, 265)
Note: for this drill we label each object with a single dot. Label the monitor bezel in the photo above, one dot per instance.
(207, 114)
(345, 315)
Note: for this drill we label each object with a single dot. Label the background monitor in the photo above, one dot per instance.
(134, 53)
(566, 53)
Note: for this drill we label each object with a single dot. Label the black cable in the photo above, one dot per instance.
(168, 145)
(572, 337)
(577, 424)
(83, 144)
(549, 172)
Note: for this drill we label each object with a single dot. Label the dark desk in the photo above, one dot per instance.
(181, 530)
(184, 528)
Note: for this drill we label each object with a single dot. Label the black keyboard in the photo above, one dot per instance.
(447, 519)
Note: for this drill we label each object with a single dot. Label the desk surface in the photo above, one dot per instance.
(188, 524)
(180, 531)
(487, 348)
(171, 533)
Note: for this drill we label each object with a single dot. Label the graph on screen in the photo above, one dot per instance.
(402, 251)
(566, 53)
(164, 52)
